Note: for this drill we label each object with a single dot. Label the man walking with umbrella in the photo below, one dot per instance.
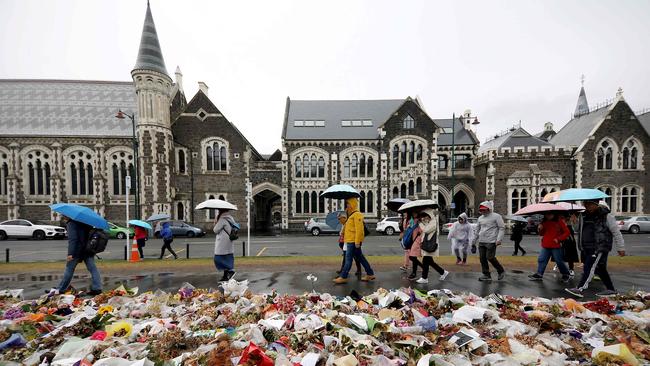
(597, 231)
(490, 229)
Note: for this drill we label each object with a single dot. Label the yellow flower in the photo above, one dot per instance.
(105, 309)
(119, 329)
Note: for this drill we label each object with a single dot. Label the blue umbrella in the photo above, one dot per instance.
(332, 219)
(80, 213)
(340, 192)
(158, 217)
(140, 223)
(575, 194)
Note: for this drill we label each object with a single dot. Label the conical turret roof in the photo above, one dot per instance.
(149, 55)
(581, 107)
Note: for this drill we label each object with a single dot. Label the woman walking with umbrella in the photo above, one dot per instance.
(227, 231)
(428, 243)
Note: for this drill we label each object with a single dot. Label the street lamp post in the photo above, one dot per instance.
(136, 180)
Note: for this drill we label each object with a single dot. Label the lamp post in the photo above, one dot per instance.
(136, 181)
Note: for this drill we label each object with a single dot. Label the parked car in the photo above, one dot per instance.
(181, 228)
(446, 227)
(30, 229)
(389, 225)
(118, 231)
(634, 224)
(317, 226)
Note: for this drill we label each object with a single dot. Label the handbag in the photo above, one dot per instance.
(429, 245)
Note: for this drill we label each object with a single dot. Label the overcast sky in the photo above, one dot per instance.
(505, 60)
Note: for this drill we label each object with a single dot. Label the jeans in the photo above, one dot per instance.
(354, 253)
(545, 255)
(427, 261)
(356, 260)
(488, 253)
(589, 257)
(69, 272)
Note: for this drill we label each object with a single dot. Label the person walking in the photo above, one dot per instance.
(461, 234)
(354, 234)
(490, 229)
(404, 223)
(517, 236)
(553, 231)
(428, 242)
(412, 236)
(78, 234)
(342, 217)
(224, 247)
(141, 239)
(598, 232)
(569, 246)
(168, 238)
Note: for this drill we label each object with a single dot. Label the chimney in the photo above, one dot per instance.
(179, 79)
(203, 87)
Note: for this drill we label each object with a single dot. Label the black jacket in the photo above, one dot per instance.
(77, 239)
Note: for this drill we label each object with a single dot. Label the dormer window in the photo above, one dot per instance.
(408, 122)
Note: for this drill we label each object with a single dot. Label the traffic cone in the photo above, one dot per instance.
(135, 254)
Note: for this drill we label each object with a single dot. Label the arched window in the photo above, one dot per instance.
(321, 202)
(224, 158)
(371, 166)
(306, 166)
(355, 166)
(298, 202)
(298, 167)
(402, 191)
(403, 154)
(370, 202)
(321, 167)
(216, 155)
(4, 173)
(395, 192)
(443, 162)
(418, 152)
(362, 202)
(346, 167)
(362, 165)
(305, 202)
(81, 174)
(411, 188)
(543, 193)
(395, 157)
(608, 191)
(181, 162)
(604, 156)
(629, 199)
(208, 156)
(120, 161)
(409, 123)
(412, 152)
(212, 213)
(519, 199)
(314, 202)
(180, 211)
(630, 155)
(314, 166)
(38, 170)
(418, 185)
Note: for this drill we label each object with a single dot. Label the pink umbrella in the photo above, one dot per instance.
(571, 206)
(539, 208)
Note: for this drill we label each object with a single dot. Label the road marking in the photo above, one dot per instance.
(30, 253)
(178, 251)
(260, 252)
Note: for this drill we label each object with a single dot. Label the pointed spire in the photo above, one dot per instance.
(179, 79)
(582, 107)
(149, 55)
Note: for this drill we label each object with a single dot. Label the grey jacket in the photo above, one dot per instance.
(604, 239)
(222, 243)
(490, 228)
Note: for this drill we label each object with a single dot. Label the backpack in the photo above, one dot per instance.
(234, 230)
(430, 245)
(97, 242)
(407, 238)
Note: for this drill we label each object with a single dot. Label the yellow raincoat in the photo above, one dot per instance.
(354, 229)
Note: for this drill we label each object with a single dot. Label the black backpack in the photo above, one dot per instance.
(429, 245)
(97, 242)
(234, 230)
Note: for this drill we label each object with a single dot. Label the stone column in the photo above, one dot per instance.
(99, 179)
(286, 199)
(14, 189)
(384, 182)
(334, 171)
(57, 179)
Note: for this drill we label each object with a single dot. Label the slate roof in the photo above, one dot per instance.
(65, 108)
(515, 138)
(332, 112)
(578, 129)
(545, 135)
(150, 55)
(645, 121)
(462, 136)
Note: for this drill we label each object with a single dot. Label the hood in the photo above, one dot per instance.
(604, 206)
(165, 225)
(487, 204)
(463, 216)
(432, 226)
(430, 212)
(353, 205)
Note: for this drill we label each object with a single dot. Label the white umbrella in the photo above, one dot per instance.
(418, 204)
(216, 204)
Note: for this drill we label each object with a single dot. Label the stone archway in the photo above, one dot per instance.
(267, 202)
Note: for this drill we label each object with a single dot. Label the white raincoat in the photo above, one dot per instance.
(461, 235)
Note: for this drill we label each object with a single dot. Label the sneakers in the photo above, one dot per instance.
(571, 273)
(412, 276)
(403, 268)
(607, 293)
(575, 292)
(565, 278)
(422, 280)
(458, 262)
(231, 274)
(485, 278)
(535, 277)
(502, 275)
(368, 278)
(444, 275)
(523, 253)
(340, 280)
(555, 268)
(52, 292)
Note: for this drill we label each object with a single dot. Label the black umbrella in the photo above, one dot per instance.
(396, 203)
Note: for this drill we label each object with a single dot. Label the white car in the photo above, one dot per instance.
(28, 229)
(389, 225)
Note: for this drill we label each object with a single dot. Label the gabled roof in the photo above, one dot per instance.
(577, 130)
(461, 137)
(645, 121)
(515, 138)
(65, 108)
(150, 55)
(332, 112)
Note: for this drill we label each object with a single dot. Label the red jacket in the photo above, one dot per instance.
(140, 233)
(554, 233)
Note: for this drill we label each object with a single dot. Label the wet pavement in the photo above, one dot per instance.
(516, 283)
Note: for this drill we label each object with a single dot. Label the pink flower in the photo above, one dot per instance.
(99, 335)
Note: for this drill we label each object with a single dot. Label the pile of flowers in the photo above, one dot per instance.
(233, 326)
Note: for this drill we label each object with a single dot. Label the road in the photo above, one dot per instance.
(285, 245)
